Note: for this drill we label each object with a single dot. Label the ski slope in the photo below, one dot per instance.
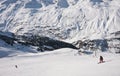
(62, 62)
(66, 20)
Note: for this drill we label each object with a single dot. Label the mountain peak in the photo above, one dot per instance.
(61, 19)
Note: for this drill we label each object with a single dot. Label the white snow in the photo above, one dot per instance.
(61, 19)
(68, 20)
(62, 62)
(15, 50)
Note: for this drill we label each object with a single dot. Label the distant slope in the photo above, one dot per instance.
(12, 45)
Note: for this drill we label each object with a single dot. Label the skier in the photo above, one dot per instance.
(16, 66)
(101, 59)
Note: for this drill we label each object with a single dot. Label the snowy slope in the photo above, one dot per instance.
(61, 19)
(7, 50)
(67, 20)
(61, 62)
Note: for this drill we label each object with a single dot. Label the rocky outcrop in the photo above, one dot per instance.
(43, 43)
(111, 44)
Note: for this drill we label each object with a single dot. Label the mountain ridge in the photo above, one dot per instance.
(61, 19)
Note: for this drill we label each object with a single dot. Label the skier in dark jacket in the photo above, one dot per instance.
(101, 59)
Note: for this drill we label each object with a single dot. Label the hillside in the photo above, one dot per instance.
(61, 19)
(87, 24)
(60, 62)
(59, 37)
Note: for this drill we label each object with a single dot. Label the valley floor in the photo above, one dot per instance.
(63, 62)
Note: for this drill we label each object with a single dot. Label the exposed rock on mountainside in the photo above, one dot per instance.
(43, 43)
(108, 44)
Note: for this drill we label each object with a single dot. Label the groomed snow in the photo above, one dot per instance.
(62, 62)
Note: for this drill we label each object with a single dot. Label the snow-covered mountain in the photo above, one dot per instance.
(95, 23)
(61, 19)
(30, 27)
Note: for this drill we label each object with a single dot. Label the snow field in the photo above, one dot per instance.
(61, 62)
